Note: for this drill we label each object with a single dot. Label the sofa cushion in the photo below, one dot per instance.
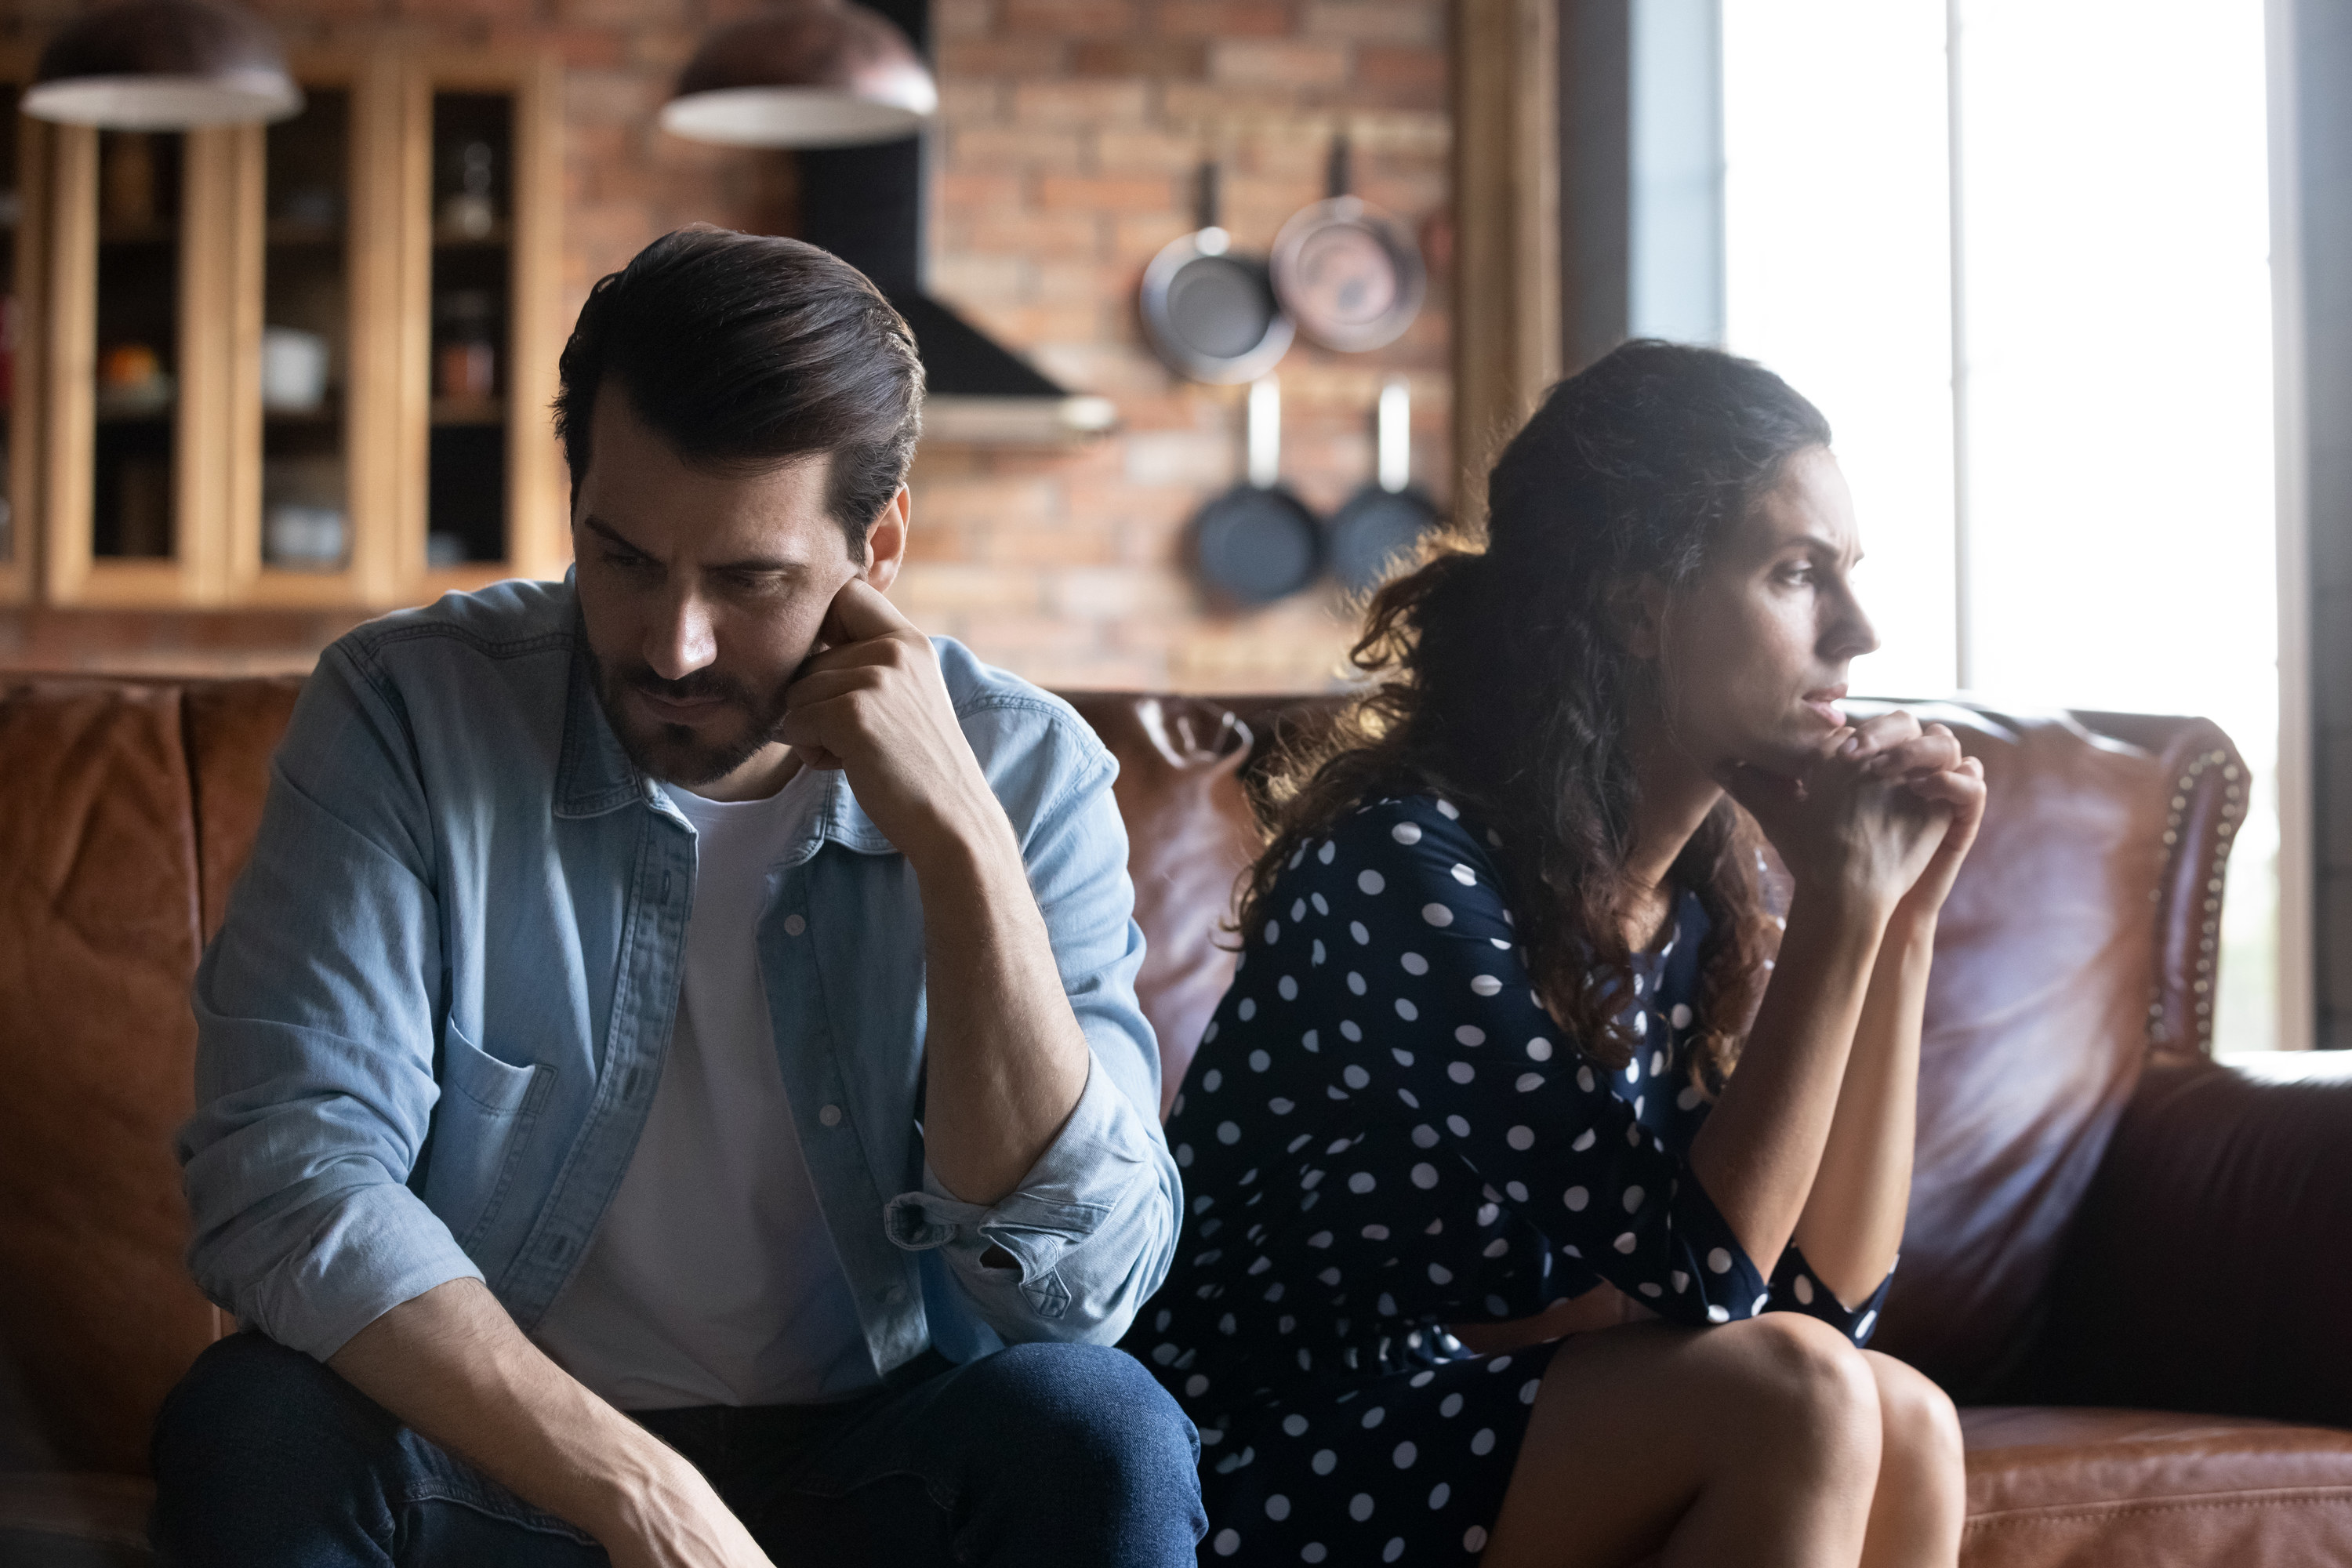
(2243, 1189)
(1189, 837)
(69, 1520)
(2053, 959)
(234, 727)
(2053, 1488)
(2037, 1027)
(98, 903)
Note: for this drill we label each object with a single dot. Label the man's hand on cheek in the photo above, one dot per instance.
(873, 705)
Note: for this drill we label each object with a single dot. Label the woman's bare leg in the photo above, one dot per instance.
(1755, 1442)
(1922, 1498)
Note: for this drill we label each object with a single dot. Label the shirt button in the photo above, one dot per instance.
(830, 1116)
(795, 925)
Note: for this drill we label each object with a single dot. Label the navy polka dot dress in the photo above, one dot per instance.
(1384, 1132)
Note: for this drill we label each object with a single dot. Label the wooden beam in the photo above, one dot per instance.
(1506, 308)
(69, 355)
(381, 447)
(19, 575)
(539, 534)
(205, 428)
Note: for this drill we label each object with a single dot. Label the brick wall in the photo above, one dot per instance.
(1069, 133)
(1072, 132)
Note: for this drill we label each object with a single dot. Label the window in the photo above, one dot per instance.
(2018, 254)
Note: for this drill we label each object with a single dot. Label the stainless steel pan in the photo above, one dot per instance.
(1347, 272)
(1377, 529)
(1210, 312)
(1258, 543)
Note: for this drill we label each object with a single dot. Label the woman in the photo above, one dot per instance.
(1505, 948)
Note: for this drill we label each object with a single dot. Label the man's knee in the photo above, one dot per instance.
(244, 1392)
(253, 1429)
(1123, 1473)
(1092, 1399)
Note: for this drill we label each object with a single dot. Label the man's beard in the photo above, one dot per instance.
(673, 752)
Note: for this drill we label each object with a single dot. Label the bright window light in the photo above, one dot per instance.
(2110, 471)
(1838, 276)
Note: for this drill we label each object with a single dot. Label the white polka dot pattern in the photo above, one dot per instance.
(1340, 1238)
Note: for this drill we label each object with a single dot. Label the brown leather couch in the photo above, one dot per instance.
(2132, 1265)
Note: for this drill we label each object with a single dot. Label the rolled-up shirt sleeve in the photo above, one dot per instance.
(1077, 1228)
(316, 1037)
(1091, 1228)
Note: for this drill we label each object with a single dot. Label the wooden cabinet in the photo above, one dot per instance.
(23, 168)
(301, 365)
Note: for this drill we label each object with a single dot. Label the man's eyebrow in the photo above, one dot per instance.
(610, 535)
(748, 563)
(756, 564)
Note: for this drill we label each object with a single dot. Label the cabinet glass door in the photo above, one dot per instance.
(471, 302)
(12, 325)
(306, 349)
(138, 299)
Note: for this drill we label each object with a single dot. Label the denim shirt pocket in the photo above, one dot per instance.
(481, 1126)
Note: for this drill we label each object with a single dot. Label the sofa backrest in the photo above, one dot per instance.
(127, 809)
(2081, 936)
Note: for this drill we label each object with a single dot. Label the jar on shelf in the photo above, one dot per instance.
(303, 525)
(469, 211)
(466, 365)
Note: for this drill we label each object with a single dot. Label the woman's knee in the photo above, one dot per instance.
(1807, 1382)
(1919, 1426)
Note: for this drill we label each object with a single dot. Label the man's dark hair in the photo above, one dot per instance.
(743, 350)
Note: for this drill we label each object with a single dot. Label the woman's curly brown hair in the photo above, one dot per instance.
(1496, 678)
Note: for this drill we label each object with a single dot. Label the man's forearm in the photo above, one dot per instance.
(453, 1366)
(1004, 1056)
(1852, 1222)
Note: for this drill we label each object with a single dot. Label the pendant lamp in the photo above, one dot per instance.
(163, 64)
(812, 73)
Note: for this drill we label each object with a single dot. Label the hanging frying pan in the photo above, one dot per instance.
(1257, 542)
(1380, 526)
(1348, 272)
(1212, 313)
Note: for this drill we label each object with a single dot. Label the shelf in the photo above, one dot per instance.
(301, 231)
(155, 231)
(469, 411)
(1040, 422)
(329, 224)
(499, 236)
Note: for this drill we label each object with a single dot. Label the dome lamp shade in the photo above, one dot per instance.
(163, 64)
(814, 73)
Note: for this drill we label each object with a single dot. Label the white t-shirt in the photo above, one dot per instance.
(712, 1278)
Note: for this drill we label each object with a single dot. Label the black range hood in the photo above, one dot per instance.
(865, 205)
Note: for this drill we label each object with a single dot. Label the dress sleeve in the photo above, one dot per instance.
(1797, 1289)
(1402, 957)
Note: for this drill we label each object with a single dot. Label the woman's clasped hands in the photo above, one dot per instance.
(1882, 812)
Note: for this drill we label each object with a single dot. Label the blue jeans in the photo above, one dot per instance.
(1038, 1456)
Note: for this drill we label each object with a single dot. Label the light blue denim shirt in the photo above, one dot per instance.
(431, 1028)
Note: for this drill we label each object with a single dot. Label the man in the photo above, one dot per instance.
(678, 1029)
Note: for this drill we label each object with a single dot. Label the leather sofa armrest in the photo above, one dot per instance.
(2209, 1266)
